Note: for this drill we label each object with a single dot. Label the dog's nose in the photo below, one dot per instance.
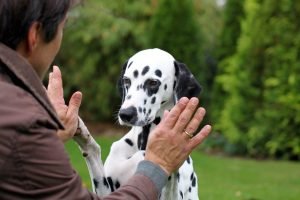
(128, 115)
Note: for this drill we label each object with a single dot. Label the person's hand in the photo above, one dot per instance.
(171, 142)
(67, 114)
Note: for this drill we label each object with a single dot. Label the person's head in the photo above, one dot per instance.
(34, 29)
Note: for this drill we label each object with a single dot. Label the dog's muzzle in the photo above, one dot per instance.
(129, 115)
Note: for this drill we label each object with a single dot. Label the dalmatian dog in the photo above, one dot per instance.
(151, 82)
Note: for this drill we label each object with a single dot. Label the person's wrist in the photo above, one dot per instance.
(159, 163)
(154, 172)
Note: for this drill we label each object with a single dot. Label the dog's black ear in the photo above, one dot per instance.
(121, 89)
(186, 85)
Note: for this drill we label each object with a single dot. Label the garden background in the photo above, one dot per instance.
(245, 54)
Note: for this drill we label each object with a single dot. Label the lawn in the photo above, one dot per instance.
(223, 178)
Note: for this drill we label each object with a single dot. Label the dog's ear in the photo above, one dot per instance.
(121, 89)
(186, 85)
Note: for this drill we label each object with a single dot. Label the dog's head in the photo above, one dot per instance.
(149, 80)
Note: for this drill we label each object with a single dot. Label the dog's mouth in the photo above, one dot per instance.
(137, 123)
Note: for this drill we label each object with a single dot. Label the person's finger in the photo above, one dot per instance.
(165, 115)
(55, 86)
(186, 115)
(173, 115)
(199, 138)
(74, 104)
(49, 81)
(196, 120)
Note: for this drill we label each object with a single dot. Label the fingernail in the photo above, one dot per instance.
(208, 127)
(184, 100)
(194, 101)
(202, 110)
(55, 68)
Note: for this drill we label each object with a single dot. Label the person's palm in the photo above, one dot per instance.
(68, 114)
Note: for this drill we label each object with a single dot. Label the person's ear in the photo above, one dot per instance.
(33, 37)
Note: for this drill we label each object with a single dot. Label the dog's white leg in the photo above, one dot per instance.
(122, 160)
(91, 152)
(188, 183)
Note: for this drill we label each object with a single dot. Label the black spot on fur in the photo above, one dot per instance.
(145, 101)
(178, 176)
(158, 73)
(181, 194)
(117, 185)
(163, 102)
(129, 141)
(149, 111)
(192, 176)
(138, 88)
(128, 97)
(190, 189)
(193, 179)
(157, 120)
(96, 183)
(135, 73)
(105, 182)
(145, 70)
(188, 160)
(84, 154)
(144, 110)
(143, 137)
(129, 64)
(153, 100)
(166, 87)
(140, 110)
(194, 182)
(111, 184)
(169, 178)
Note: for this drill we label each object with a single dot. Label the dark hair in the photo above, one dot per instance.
(16, 17)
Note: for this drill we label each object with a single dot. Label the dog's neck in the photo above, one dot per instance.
(145, 130)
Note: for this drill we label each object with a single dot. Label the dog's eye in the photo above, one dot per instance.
(126, 82)
(153, 82)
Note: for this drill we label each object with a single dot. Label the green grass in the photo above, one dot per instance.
(223, 178)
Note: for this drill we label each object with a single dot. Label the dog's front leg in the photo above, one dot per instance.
(91, 152)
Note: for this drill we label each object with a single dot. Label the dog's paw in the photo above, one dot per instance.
(82, 135)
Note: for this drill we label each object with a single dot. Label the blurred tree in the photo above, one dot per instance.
(233, 14)
(99, 38)
(209, 18)
(262, 83)
(174, 28)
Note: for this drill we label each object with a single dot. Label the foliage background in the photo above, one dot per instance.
(245, 54)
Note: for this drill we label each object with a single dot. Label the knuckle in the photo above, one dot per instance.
(183, 119)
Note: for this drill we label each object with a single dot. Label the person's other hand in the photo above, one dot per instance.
(169, 144)
(68, 114)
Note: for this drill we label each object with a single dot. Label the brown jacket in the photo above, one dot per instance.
(33, 161)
